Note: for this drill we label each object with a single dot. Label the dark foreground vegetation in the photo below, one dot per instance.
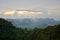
(10, 32)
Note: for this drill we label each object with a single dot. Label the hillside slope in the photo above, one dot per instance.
(10, 32)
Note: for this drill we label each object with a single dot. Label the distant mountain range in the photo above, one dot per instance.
(32, 23)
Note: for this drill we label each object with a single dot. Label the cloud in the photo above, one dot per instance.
(0, 11)
(8, 12)
(28, 13)
(42, 13)
(54, 13)
(20, 13)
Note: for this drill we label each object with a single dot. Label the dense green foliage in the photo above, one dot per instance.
(10, 32)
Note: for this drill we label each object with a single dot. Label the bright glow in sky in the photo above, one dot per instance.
(27, 13)
(30, 8)
(8, 12)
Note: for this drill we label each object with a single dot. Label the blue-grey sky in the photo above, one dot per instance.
(30, 8)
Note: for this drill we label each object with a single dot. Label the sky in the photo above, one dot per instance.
(30, 9)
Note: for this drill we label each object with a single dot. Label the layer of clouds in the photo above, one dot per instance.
(40, 13)
(19, 14)
(54, 13)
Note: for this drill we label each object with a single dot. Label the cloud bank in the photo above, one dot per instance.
(21, 13)
(43, 13)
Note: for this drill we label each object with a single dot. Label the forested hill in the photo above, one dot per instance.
(10, 32)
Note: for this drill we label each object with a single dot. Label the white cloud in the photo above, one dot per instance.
(28, 14)
(54, 13)
(8, 12)
(51, 13)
